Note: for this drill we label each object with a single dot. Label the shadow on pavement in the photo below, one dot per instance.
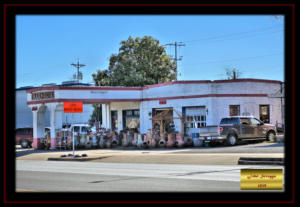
(271, 145)
(32, 151)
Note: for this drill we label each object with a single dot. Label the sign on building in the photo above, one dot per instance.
(73, 107)
(42, 95)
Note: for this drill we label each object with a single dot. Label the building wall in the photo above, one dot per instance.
(176, 90)
(97, 94)
(176, 104)
(247, 104)
(215, 96)
(24, 113)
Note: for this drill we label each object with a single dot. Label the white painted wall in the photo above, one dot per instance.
(23, 112)
(217, 107)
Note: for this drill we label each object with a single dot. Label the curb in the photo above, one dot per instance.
(79, 159)
(260, 161)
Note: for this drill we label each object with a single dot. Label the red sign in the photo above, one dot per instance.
(73, 107)
(162, 101)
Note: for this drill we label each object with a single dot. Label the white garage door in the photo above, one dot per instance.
(195, 118)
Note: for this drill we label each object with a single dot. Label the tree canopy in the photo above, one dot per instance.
(233, 73)
(140, 61)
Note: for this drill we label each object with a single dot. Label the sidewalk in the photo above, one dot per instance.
(165, 156)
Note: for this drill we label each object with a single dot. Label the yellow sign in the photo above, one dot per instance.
(261, 179)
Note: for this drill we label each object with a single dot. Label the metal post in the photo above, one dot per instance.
(176, 59)
(72, 129)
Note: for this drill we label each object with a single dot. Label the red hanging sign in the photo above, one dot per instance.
(73, 107)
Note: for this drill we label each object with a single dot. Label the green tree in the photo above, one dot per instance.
(96, 115)
(140, 62)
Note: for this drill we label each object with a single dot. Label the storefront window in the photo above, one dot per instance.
(234, 110)
(136, 113)
(131, 119)
(264, 113)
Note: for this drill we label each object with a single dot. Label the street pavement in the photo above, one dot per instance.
(219, 155)
(68, 176)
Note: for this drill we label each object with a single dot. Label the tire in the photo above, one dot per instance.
(212, 144)
(271, 137)
(24, 143)
(231, 140)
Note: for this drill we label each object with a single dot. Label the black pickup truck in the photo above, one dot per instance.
(233, 129)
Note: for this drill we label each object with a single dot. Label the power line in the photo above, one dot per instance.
(235, 34)
(228, 39)
(245, 58)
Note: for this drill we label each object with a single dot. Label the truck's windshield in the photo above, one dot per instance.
(76, 128)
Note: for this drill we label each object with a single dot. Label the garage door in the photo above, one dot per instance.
(195, 118)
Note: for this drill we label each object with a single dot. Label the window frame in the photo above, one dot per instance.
(238, 110)
(268, 113)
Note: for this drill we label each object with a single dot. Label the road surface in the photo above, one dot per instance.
(64, 176)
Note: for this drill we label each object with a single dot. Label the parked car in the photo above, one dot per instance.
(24, 136)
(234, 129)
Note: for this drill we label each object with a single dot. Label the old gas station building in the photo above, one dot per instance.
(205, 101)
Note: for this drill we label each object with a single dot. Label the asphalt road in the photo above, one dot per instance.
(250, 147)
(53, 176)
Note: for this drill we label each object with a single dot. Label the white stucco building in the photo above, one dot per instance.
(204, 102)
(24, 113)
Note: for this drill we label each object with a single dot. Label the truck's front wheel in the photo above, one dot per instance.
(231, 140)
(271, 137)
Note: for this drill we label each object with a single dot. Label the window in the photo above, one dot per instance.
(264, 113)
(84, 129)
(234, 110)
(24, 131)
(245, 121)
(136, 113)
(76, 128)
(230, 121)
(254, 121)
(131, 119)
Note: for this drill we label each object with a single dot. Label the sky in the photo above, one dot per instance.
(47, 45)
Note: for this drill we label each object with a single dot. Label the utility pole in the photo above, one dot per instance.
(78, 66)
(175, 44)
